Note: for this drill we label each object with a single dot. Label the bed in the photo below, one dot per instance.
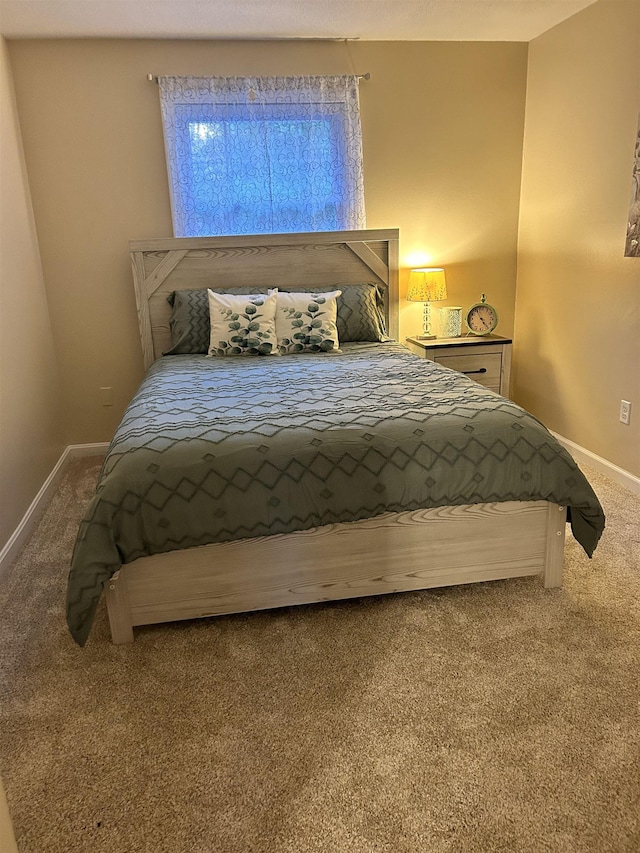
(239, 484)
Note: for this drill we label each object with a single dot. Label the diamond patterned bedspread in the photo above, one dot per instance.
(212, 449)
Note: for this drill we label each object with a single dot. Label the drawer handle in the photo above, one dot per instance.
(467, 372)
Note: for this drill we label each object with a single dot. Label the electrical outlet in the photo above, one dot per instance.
(106, 396)
(625, 411)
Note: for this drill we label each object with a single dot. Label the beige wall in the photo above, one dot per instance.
(442, 126)
(7, 838)
(30, 437)
(577, 345)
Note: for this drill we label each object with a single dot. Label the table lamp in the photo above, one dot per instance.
(427, 285)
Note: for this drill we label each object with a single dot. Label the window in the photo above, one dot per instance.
(263, 155)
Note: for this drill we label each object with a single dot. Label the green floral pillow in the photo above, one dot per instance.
(306, 322)
(242, 324)
(360, 311)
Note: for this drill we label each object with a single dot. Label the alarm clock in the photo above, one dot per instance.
(481, 318)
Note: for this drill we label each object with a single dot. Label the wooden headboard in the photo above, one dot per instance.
(290, 261)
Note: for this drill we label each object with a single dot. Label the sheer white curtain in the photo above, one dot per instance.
(254, 155)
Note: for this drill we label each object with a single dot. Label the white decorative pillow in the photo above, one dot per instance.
(242, 324)
(306, 322)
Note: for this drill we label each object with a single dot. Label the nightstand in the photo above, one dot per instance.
(486, 359)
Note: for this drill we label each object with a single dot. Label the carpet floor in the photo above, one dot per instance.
(490, 718)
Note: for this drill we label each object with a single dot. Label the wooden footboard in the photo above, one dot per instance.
(394, 552)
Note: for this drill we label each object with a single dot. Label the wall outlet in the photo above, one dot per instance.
(625, 411)
(106, 396)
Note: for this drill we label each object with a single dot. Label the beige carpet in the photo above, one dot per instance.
(494, 717)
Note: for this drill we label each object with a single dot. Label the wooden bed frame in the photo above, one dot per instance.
(390, 553)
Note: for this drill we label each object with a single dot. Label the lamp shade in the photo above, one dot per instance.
(427, 285)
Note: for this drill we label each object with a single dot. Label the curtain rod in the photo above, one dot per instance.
(153, 78)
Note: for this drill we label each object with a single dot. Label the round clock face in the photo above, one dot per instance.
(482, 318)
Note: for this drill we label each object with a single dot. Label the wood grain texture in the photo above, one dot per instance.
(142, 304)
(292, 261)
(252, 240)
(484, 368)
(163, 269)
(393, 292)
(554, 553)
(119, 608)
(469, 356)
(394, 552)
(369, 257)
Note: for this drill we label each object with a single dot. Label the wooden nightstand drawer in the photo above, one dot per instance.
(485, 368)
(486, 359)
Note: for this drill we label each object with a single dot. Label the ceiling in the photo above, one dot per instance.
(371, 20)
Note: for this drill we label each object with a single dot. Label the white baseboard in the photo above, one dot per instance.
(97, 449)
(22, 532)
(625, 478)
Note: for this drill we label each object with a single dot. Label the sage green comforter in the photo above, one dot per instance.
(214, 449)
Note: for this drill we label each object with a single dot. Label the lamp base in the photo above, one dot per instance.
(427, 334)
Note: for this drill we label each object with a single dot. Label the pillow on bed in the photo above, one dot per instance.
(306, 322)
(360, 314)
(360, 311)
(189, 324)
(242, 324)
